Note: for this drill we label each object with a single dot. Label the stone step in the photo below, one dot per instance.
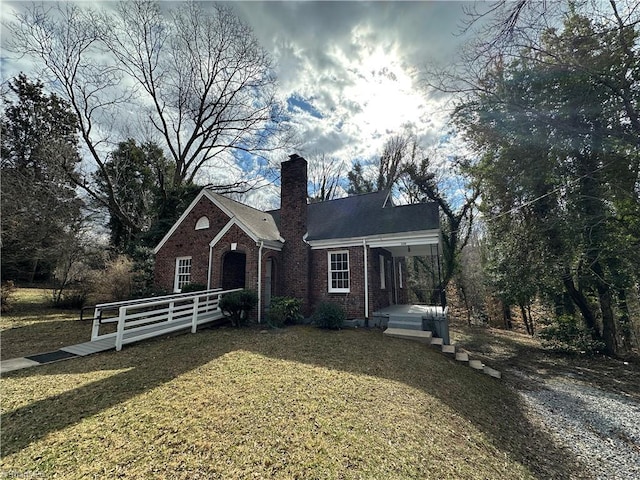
(437, 341)
(491, 372)
(448, 349)
(405, 324)
(462, 356)
(476, 364)
(419, 335)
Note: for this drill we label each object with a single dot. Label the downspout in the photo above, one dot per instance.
(366, 282)
(209, 271)
(260, 280)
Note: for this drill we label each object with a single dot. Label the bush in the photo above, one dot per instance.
(193, 287)
(236, 305)
(284, 310)
(567, 334)
(70, 299)
(329, 315)
(115, 281)
(7, 293)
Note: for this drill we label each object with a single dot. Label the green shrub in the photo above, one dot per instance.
(236, 305)
(193, 287)
(329, 315)
(284, 310)
(567, 334)
(7, 293)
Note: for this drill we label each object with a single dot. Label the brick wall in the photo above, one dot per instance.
(187, 241)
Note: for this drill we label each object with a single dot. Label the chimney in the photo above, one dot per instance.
(293, 227)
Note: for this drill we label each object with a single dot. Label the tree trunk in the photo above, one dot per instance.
(506, 312)
(525, 319)
(608, 319)
(581, 302)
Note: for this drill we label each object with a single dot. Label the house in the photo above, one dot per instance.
(350, 251)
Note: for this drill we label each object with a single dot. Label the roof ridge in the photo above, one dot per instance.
(234, 201)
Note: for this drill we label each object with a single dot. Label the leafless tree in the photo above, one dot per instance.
(197, 73)
(325, 177)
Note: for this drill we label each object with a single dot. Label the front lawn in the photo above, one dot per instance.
(31, 327)
(296, 403)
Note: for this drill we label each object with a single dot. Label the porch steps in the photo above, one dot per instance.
(419, 335)
(405, 323)
(427, 338)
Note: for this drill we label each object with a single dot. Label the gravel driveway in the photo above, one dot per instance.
(601, 428)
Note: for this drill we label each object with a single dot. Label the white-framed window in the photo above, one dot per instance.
(383, 277)
(400, 274)
(202, 223)
(183, 273)
(339, 272)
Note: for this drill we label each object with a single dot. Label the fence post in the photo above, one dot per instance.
(120, 332)
(95, 329)
(171, 307)
(194, 317)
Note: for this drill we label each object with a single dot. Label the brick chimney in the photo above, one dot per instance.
(293, 227)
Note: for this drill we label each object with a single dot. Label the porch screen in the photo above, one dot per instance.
(339, 272)
(183, 272)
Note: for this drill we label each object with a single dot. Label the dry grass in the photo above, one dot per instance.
(513, 351)
(32, 328)
(294, 403)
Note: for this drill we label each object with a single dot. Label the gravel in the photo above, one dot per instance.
(601, 428)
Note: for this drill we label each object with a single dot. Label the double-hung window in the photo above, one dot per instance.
(183, 273)
(339, 272)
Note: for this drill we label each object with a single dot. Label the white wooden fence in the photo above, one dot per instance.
(150, 317)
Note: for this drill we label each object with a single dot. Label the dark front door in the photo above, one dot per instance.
(234, 270)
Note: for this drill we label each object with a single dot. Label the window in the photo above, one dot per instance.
(183, 273)
(400, 273)
(383, 278)
(202, 223)
(339, 272)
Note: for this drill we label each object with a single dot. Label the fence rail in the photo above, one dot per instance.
(150, 317)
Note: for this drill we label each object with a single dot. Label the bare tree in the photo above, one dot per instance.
(206, 85)
(325, 177)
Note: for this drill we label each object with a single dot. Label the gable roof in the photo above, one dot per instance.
(255, 223)
(260, 223)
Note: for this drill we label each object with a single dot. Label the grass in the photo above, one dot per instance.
(31, 327)
(509, 350)
(293, 403)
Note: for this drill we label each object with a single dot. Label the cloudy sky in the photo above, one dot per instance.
(350, 71)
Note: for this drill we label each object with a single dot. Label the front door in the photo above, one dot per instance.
(268, 282)
(234, 267)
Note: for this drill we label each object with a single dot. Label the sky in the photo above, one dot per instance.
(349, 72)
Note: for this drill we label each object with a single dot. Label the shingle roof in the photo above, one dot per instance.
(365, 215)
(260, 223)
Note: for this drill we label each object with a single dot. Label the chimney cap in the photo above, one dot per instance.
(294, 156)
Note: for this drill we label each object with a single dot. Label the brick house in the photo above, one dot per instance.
(350, 251)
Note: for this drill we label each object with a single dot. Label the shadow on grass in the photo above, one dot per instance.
(491, 407)
(146, 367)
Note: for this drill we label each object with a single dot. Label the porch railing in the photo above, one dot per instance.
(150, 317)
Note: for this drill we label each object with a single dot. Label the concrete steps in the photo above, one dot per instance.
(406, 323)
(419, 335)
(427, 337)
